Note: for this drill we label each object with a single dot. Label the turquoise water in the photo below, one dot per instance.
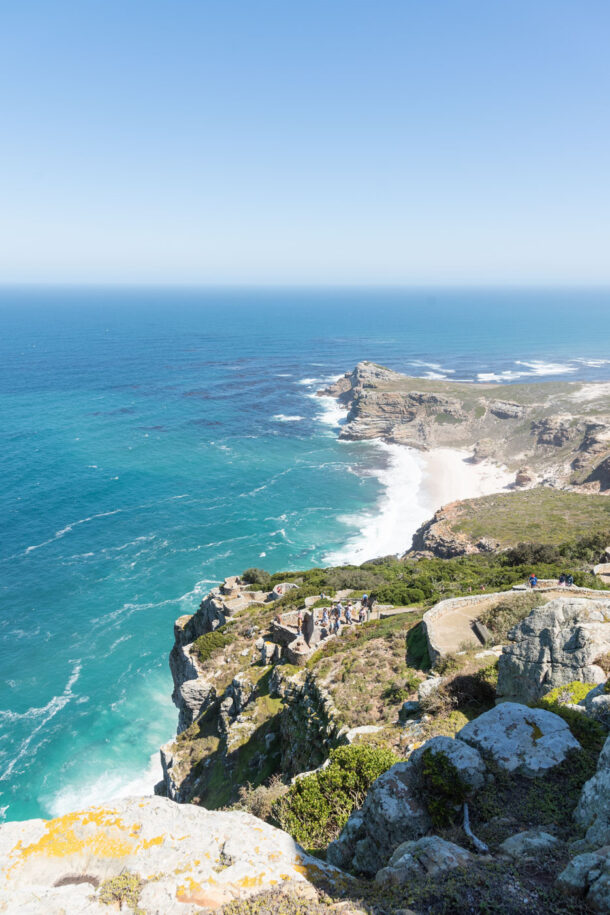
(155, 441)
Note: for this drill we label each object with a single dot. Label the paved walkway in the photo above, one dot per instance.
(452, 631)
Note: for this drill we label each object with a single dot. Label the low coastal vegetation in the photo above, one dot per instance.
(553, 516)
(316, 807)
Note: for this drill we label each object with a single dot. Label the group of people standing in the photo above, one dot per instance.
(565, 580)
(333, 617)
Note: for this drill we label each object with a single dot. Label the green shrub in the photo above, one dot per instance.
(571, 693)
(443, 789)
(397, 693)
(399, 594)
(417, 647)
(317, 807)
(257, 577)
(212, 643)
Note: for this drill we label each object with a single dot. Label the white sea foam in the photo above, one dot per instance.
(415, 485)
(66, 530)
(282, 418)
(435, 366)
(332, 413)
(41, 715)
(537, 368)
(108, 786)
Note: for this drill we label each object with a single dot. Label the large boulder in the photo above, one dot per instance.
(588, 876)
(188, 859)
(393, 812)
(526, 741)
(597, 704)
(555, 645)
(426, 857)
(593, 808)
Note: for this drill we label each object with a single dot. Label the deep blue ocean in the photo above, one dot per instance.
(155, 441)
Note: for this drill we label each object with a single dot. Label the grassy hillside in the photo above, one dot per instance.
(542, 514)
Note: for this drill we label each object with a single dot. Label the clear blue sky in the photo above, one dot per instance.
(248, 141)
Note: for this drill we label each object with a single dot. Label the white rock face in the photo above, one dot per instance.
(593, 809)
(555, 645)
(527, 741)
(426, 857)
(189, 858)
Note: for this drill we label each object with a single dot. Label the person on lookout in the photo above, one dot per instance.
(533, 580)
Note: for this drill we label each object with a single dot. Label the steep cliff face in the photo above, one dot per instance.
(547, 426)
(240, 719)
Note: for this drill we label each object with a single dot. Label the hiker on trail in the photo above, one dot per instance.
(299, 620)
(365, 601)
(569, 581)
(362, 614)
(533, 580)
(348, 614)
(562, 580)
(325, 618)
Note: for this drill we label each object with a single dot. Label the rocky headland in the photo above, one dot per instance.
(555, 433)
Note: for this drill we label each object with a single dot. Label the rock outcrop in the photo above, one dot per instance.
(186, 859)
(588, 876)
(395, 810)
(555, 645)
(526, 741)
(426, 857)
(593, 810)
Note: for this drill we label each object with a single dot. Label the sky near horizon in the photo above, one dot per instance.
(344, 142)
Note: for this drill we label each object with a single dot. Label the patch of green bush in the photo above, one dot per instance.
(417, 647)
(123, 889)
(317, 807)
(443, 789)
(258, 577)
(507, 613)
(572, 693)
(211, 643)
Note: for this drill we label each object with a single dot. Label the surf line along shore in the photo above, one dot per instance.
(415, 484)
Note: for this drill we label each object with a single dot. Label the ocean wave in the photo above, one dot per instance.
(66, 530)
(537, 368)
(46, 713)
(110, 785)
(435, 366)
(332, 413)
(282, 418)
(593, 363)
